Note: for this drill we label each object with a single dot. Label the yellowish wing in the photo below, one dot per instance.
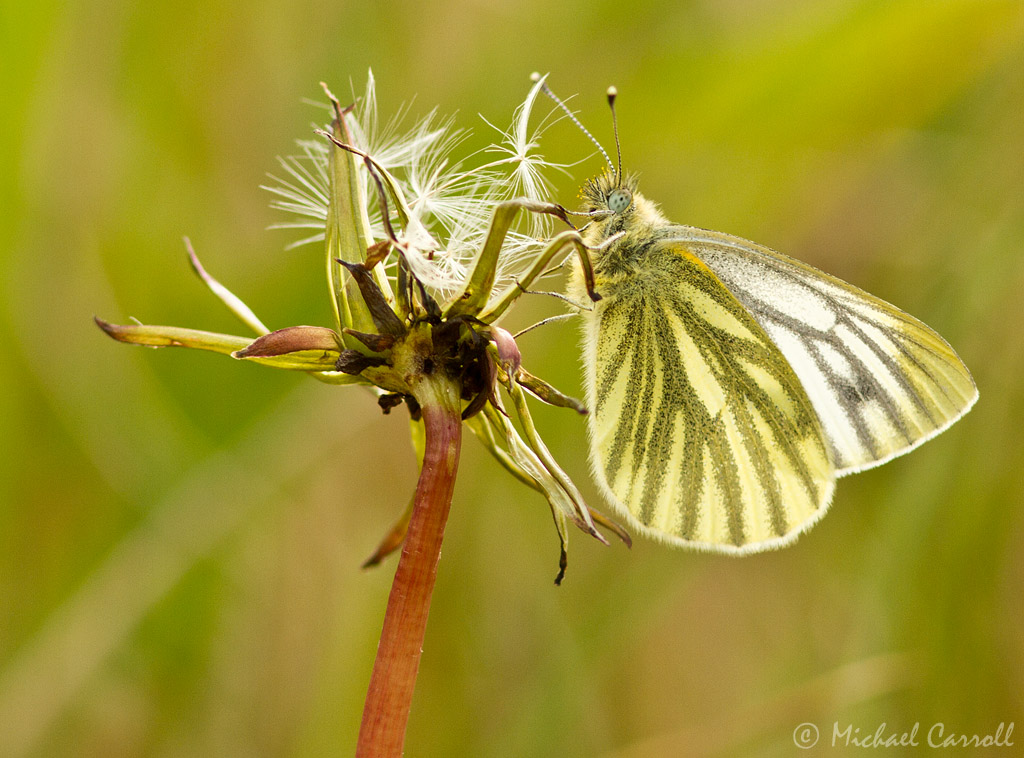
(880, 381)
(701, 433)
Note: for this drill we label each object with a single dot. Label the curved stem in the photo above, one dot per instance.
(386, 713)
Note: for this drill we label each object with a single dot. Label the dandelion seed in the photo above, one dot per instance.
(519, 144)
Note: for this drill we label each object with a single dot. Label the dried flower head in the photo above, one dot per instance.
(424, 254)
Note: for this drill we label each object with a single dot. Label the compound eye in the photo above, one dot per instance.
(619, 200)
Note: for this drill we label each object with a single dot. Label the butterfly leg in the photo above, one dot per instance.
(480, 282)
(555, 247)
(559, 296)
(542, 322)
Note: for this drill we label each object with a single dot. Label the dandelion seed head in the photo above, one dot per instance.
(450, 201)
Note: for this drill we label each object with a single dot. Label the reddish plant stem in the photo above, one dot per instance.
(386, 712)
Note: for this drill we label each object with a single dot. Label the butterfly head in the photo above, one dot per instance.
(608, 195)
(610, 200)
(614, 206)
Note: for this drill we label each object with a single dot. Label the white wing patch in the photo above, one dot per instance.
(880, 381)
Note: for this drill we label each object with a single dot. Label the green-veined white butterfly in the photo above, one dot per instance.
(730, 385)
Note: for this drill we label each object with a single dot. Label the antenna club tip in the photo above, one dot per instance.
(612, 93)
(535, 76)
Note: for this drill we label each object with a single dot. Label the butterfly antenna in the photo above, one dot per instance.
(547, 91)
(612, 94)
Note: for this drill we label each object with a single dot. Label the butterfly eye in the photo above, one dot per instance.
(619, 200)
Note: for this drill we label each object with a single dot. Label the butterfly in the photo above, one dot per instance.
(730, 385)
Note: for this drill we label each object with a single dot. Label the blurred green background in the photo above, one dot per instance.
(181, 534)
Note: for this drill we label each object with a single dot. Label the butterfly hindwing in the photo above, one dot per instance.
(700, 429)
(880, 380)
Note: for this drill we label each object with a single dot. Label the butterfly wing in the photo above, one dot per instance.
(880, 380)
(700, 431)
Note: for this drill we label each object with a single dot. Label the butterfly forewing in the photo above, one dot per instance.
(700, 429)
(880, 381)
